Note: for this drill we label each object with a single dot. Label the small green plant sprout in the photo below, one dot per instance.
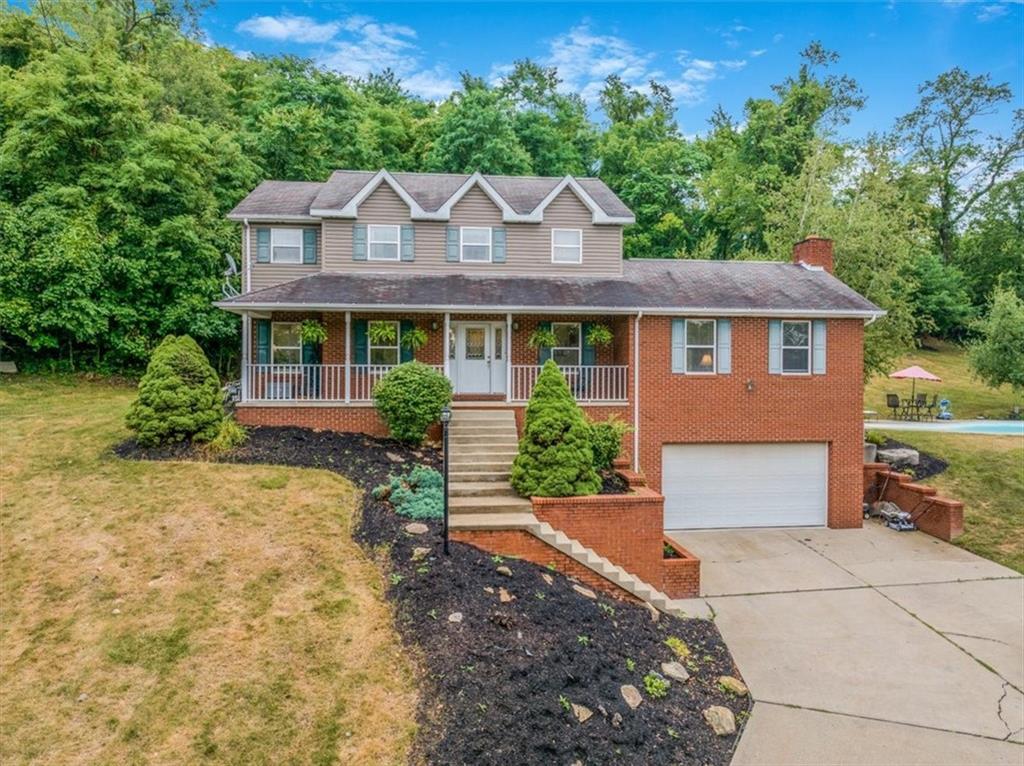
(382, 333)
(742, 716)
(542, 337)
(432, 614)
(414, 339)
(584, 640)
(540, 596)
(656, 686)
(422, 569)
(672, 733)
(313, 332)
(482, 706)
(497, 559)
(564, 702)
(599, 335)
(395, 578)
(630, 664)
(551, 566)
(678, 647)
(608, 609)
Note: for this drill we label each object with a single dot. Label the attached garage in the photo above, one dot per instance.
(709, 486)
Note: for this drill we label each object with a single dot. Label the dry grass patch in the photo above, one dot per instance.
(178, 612)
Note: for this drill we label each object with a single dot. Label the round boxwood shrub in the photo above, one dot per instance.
(555, 456)
(179, 396)
(410, 398)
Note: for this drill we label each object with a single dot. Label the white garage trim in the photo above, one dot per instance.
(717, 486)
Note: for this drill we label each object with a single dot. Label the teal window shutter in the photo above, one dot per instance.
(678, 345)
(309, 237)
(543, 353)
(724, 350)
(359, 244)
(360, 341)
(310, 353)
(818, 329)
(497, 245)
(262, 245)
(262, 341)
(408, 243)
(775, 346)
(589, 355)
(406, 325)
(452, 245)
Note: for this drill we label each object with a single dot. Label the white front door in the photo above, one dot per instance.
(744, 485)
(479, 363)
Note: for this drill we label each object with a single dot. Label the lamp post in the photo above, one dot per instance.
(446, 418)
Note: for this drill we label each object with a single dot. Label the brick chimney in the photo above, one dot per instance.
(814, 251)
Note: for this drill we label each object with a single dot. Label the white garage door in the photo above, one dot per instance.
(744, 485)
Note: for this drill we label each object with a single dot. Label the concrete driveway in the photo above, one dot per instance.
(868, 646)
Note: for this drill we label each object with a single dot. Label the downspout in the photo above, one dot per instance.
(636, 392)
(246, 319)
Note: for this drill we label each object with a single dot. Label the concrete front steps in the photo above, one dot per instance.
(481, 447)
(559, 541)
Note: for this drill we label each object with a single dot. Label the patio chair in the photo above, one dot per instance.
(932, 406)
(920, 404)
(892, 401)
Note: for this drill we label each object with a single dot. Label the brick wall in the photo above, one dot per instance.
(814, 251)
(938, 516)
(681, 575)
(750, 405)
(361, 419)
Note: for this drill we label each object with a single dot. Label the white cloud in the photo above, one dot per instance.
(758, 52)
(298, 29)
(992, 12)
(691, 87)
(585, 59)
(777, 38)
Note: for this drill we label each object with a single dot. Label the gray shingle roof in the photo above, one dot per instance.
(430, 190)
(737, 287)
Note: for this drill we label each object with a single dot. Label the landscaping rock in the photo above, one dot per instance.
(632, 696)
(547, 578)
(83, 697)
(583, 714)
(721, 720)
(584, 591)
(733, 685)
(418, 554)
(455, 617)
(504, 571)
(505, 596)
(899, 456)
(675, 671)
(394, 458)
(616, 720)
(488, 589)
(416, 528)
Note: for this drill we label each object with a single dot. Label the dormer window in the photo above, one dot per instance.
(384, 242)
(475, 244)
(566, 245)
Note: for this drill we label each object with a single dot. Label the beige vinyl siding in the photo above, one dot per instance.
(528, 245)
(270, 274)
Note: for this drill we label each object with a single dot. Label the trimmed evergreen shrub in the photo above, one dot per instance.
(410, 398)
(555, 455)
(418, 495)
(179, 396)
(606, 440)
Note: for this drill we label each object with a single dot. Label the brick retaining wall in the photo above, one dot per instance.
(939, 516)
(681, 576)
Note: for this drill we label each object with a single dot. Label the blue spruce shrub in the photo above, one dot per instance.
(417, 495)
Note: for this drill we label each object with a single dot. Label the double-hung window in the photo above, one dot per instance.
(285, 343)
(383, 242)
(796, 347)
(385, 349)
(286, 245)
(567, 246)
(475, 243)
(699, 345)
(566, 351)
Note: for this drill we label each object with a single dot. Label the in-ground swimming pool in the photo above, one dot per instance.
(991, 427)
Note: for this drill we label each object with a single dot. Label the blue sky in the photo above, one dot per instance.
(708, 53)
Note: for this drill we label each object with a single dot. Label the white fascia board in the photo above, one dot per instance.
(507, 213)
(270, 218)
(351, 208)
(598, 216)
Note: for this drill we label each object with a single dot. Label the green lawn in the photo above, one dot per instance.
(182, 612)
(969, 398)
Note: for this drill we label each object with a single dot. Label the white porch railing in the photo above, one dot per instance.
(588, 383)
(313, 382)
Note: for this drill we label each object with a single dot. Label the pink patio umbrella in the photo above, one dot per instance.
(915, 373)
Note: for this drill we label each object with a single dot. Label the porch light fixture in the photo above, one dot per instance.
(750, 385)
(446, 418)
(433, 325)
(515, 325)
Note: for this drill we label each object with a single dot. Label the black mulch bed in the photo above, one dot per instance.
(496, 684)
(613, 484)
(928, 465)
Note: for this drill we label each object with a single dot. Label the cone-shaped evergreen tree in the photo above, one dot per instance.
(555, 458)
(179, 396)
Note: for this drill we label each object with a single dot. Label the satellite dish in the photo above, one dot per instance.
(232, 268)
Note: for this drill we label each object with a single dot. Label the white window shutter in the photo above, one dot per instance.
(818, 331)
(775, 347)
(678, 356)
(724, 350)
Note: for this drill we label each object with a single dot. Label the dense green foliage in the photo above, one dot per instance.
(998, 357)
(124, 141)
(555, 455)
(417, 495)
(410, 398)
(229, 436)
(179, 396)
(606, 440)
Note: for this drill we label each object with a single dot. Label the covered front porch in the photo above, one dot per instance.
(488, 357)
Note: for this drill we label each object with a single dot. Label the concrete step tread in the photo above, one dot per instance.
(496, 486)
(492, 521)
(500, 500)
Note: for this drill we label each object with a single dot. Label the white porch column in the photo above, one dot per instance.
(348, 357)
(444, 345)
(636, 393)
(246, 345)
(508, 357)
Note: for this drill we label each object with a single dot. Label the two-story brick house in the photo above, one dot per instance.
(742, 380)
